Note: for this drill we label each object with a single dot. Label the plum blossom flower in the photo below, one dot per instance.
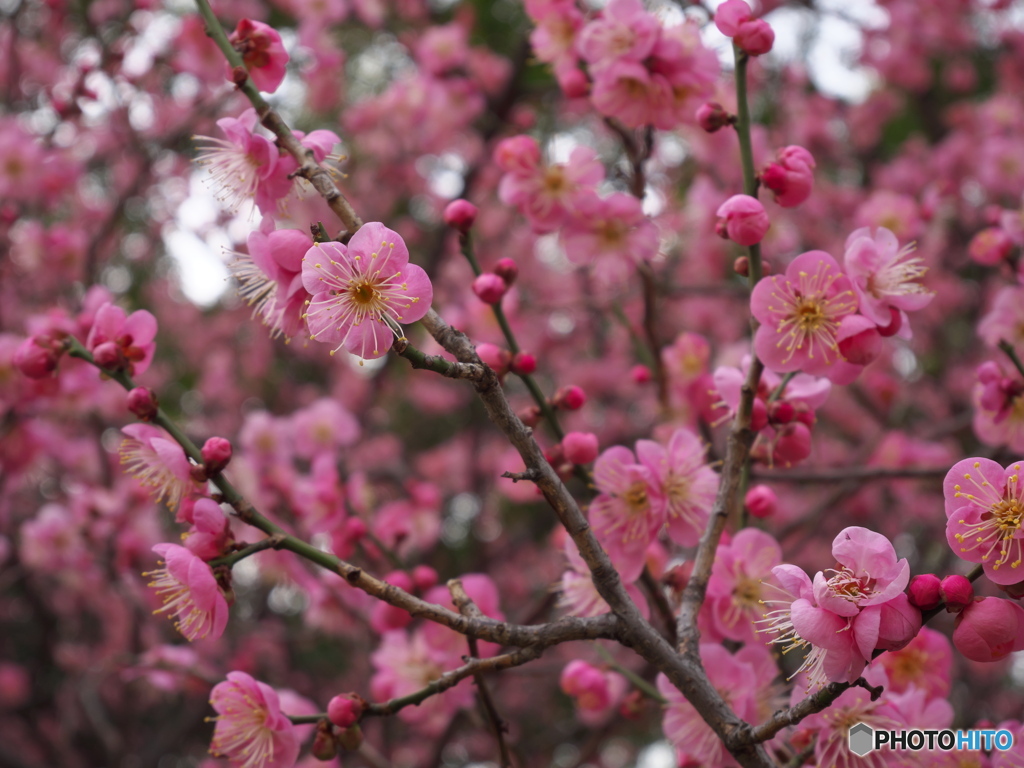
(157, 463)
(610, 234)
(884, 275)
(251, 730)
(737, 584)
(984, 511)
(742, 219)
(262, 51)
(243, 166)
(595, 692)
(684, 480)
(800, 313)
(121, 341)
(579, 596)
(625, 30)
(361, 292)
(629, 510)
(867, 573)
(744, 680)
(734, 19)
(189, 592)
(1005, 321)
(270, 279)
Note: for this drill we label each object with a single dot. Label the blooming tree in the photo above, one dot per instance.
(565, 342)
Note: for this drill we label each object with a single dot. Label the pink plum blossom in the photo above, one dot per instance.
(800, 313)
(595, 692)
(270, 279)
(926, 663)
(210, 534)
(611, 235)
(984, 511)
(579, 596)
(122, 342)
(625, 30)
(735, 19)
(251, 730)
(158, 463)
(1005, 320)
(884, 275)
(363, 291)
(685, 482)
(999, 407)
(243, 166)
(190, 593)
(262, 51)
(736, 587)
(545, 194)
(630, 509)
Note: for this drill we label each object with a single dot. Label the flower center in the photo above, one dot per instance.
(996, 529)
(636, 498)
(747, 592)
(810, 315)
(555, 181)
(849, 586)
(364, 293)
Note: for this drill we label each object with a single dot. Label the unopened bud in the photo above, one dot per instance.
(424, 577)
(640, 374)
(711, 116)
(489, 288)
(570, 398)
(923, 591)
(494, 356)
(523, 364)
(142, 403)
(216, 454)
(345, 710)
(742, 266)
(460, 214)
(352, 738)
(761, 501)
(957, 591)
(108, 355)
(507, 270)
(36, 357)
(781, 412)
(580, 447)
(325, 747)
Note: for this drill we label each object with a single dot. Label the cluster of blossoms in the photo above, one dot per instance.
(843, 618)
(609, 234)
(637, 70)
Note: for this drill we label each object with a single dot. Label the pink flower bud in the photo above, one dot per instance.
(793, 444)
(729, 15)
(356, 528)
(711, 116)
(791, 176)
(924, 591)
(385, 618)
(325, 746)
(494, 356)
(489, 288)
(345, 710)
(400, 579)
(570, 398)
(989, 629)
(424, 577)
(761, 501)
(574, 83)
(460, 214)
(859, 340)
(580, 447)
(36, 357)
(990, 246)
(781, 412)
(142, 403)
(641, 374)
(957, 591)
(742, 219)
(507, 270)
(216, 454)
(108, 355)
(742, 266)
(523, 364)
(755, 36)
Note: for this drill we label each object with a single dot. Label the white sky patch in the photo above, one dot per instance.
(658, 755)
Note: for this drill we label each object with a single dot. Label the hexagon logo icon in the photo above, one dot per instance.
(862, 739)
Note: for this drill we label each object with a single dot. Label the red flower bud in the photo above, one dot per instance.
(460, 214)
(711, 116)
(570, 398)
(924, 591)
(36, 357)
(641, 374)
(507, 270)
(345, 710)
(142, 403)
(216, 454)
(957, 591)
(523, 364)
(761, 501)
(580, 447)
